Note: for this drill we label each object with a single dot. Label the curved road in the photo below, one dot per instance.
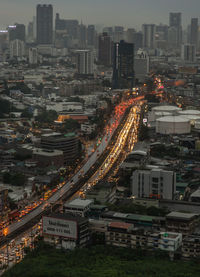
(59, 193)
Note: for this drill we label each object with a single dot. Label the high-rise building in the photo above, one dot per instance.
(134, 37)
(17, 31)
(30, 37)
(4, 43)
(105, 49)
(44, 24)
(123, 65)
(33, 56)
(175, 21)
(188, 52)
(194, 31)
(17, 48)
(148, 35)
(118, 33)
(109, 31)
(85, 62)
(91, 35)
(82, 36)
(68, 25)
(155, 183)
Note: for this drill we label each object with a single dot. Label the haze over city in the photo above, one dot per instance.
(129, 13)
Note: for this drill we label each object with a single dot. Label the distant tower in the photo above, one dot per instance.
(123, 65)
(17, 48)
(85, 62)
(175, 23)
(148, 35)
(91, 35)
(44, 24)
(105, 45)
(17, 31)
(188, 52)
(33, 56)
(194, 31)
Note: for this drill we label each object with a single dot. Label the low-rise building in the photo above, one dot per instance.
(119, 234)
(191, 246)
(78, 206)
(48, 157)
(184, 223)
(103, 192)
(65, 230)
(167, 241)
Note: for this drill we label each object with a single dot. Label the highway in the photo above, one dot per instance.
(102, 170)
(131, 125)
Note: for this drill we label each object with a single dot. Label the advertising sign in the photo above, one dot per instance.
(59, 227)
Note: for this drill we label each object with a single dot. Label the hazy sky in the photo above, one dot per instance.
(129, 13)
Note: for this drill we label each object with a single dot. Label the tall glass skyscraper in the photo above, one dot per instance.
(123, 65)
(44, 15)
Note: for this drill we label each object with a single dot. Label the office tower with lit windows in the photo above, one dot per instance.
(148, 31)
(105, 49)
(194, 31)
(123, 65)
(44, 16)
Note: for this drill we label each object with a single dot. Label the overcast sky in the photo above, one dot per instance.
(129, 13)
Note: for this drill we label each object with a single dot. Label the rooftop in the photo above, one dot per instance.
(177, 119)
(67, 216)
(196, 193)
(120, 225)
(82, 203)
(181, 216)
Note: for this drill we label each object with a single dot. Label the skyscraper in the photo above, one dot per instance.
(82, 35)
(91, 35)
(85, 62)
(188, 52)
(194, 31)
(44, 24)
(175, 24)
(175, 19)
(105, 49)
(148, 35)
(123, 65)
(68, 25)
(17, 48)
(17, 31)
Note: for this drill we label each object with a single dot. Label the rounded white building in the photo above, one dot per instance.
(189, 112)
(197, 124)
(192, 118)
(161, 114)
(170, 109)
(173, 125)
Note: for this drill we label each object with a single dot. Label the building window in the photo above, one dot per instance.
(155, 180)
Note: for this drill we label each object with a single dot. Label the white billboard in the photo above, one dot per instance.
(59, 227)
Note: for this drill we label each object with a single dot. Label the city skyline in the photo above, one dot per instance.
(130, 13)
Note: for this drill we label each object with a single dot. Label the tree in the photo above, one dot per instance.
(47, 116)
(18, 179)
(143, 134)
(7, 178)
(71, 125)
(26, 113)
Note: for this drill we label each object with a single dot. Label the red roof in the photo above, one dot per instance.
(79, 117)
(120, 225)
